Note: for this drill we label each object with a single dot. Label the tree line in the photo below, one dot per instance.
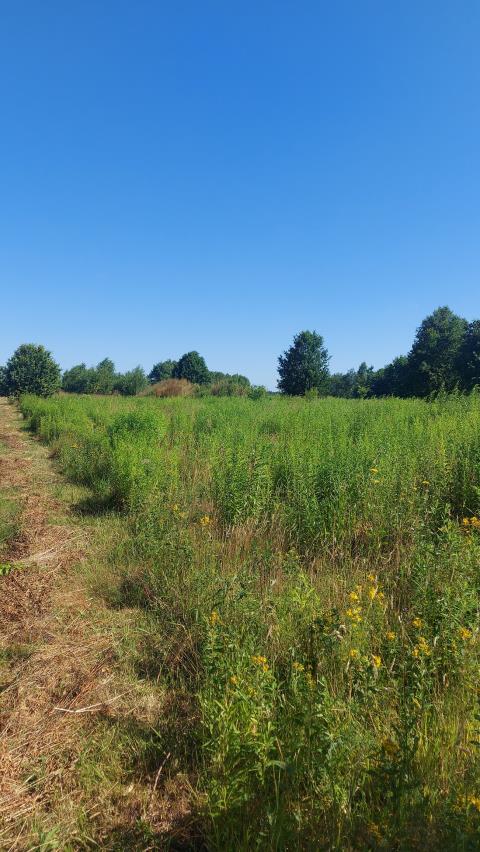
(32, 369)
(445, 356)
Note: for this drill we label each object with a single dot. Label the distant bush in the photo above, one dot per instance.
(161, 371)
(228, 387)
(171, 387)
(257, 392)
(131, 383)
(31, 369)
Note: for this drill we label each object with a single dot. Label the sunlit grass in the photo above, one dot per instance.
(306, 573)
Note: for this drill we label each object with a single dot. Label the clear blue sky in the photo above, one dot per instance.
(219, 175)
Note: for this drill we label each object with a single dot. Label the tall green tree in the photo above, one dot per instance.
(392, 380)
(3, 381)
(469, 357)
(161, 371)
(192, 367)
(79, 379)
(304, 365)
(105, 377)
(433, 359)
(31, 369)
(342, 384)
(131, 382)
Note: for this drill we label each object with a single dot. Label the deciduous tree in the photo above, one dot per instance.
(304, 365)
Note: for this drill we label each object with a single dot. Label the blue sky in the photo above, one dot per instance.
(220, 175)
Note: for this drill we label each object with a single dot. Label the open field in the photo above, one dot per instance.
(304, 579)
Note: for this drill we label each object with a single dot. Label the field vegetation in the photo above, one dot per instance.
(306, 577)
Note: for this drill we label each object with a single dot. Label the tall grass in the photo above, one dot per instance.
(311, 574)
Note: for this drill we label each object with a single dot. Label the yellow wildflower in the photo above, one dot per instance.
(376, 482)
(466, 522)
(205, 521)
(354, 614)
(298, 667)
(475, 522)
(422, 648)
(474, 801)
(417, 622)
(390, 636)
(310, 680)
(354, 653)
(374, 470)
(260, 661)
(371, 578)
(214, 617)
(425, 482)
(234, 680)
(465, 633)
(377, 661)
(372, 593)
(353, 596)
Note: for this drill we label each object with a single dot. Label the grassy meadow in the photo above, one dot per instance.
(306, 574)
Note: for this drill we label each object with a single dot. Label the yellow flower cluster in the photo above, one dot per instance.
(422, 648)
(473, 523)
(261, 661)
(298, 667)
(376, 661)
(214, 618)
(417, 622)
(474, 801)
(390, 636)
(205, 521)
(354, 614)
(374, 590)
(465, 634)
(177, 511)
(354, 653)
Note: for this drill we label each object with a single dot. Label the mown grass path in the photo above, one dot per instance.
(78, 757)
(50, 662)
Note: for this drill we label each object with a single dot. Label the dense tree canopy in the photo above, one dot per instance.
(131, 382)
(161, 371)
(31, 369)
(192, 367)
(433, 358)
(304, 366)
(468, 366)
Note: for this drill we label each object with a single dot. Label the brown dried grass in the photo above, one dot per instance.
(170, 387)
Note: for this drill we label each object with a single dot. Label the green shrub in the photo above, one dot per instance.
(31, 369)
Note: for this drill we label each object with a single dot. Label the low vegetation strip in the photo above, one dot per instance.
(305, 574)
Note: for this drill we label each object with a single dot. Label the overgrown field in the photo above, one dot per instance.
(307, 575)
